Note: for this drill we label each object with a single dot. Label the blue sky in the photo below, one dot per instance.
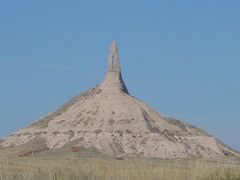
(181, 57)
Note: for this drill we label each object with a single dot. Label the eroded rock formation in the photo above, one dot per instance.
(108, 118)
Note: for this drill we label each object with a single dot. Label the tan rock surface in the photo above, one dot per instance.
(109, 119)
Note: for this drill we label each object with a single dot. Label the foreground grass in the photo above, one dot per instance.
(38, 168)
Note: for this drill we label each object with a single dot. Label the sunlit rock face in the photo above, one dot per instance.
(108, 118)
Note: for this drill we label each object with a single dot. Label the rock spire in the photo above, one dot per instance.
(107, 120)
(113, 59)
(113, 82)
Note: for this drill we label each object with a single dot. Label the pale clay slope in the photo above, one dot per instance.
(109, 119)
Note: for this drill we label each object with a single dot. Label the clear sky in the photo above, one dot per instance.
(181, 57)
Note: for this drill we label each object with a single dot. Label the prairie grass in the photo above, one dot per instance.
(38, 168)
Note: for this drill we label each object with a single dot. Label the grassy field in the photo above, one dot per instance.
(37, 168)
(89, 165)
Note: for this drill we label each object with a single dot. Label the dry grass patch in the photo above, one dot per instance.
(109, 169)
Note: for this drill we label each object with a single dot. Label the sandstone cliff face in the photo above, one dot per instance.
(109, 119)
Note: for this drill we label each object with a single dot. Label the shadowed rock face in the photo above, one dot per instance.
(109, 119)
